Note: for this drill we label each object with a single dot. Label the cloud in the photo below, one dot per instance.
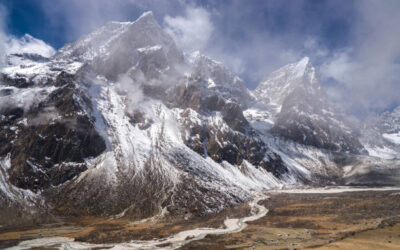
(3, 37)
(48, 115)
(338, 66)
(132, 90)
(354, 44)
(75, 18)
(191, 31)
(368, 71)
(253, 58)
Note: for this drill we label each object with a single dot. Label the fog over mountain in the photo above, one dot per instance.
(152, 117)
(353, 46)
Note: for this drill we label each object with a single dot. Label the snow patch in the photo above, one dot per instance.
(393, 138)
(28, 44)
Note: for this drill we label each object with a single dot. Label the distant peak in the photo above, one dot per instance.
(28, 44)
(302, 64)
(148, 15)
(145, 18)
(302, 67)
(304, 60)
(27, 37)
(396, 110)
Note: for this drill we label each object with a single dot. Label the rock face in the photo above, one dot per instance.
(218, 80)
(121, 122)
(48, 141)
(304, 116)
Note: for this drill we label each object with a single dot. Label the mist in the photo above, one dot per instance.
(132, 90)
(368, 71)
(353, 44)
(191, 31)
(3, 37)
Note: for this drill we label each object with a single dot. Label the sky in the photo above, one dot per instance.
(355, 45)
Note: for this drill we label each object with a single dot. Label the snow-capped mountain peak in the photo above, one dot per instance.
(129, 36)
(30, 45)
(147, 16)
(283, 81)
(301, 66)
(296, 109)
(218, 78)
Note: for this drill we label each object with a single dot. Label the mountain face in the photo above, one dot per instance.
(304, 116)
(120, 47)
(381, 134)
(28, 45)
(123, 123)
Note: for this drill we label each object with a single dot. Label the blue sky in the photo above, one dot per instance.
(237, 21)
(353, 44)
(310, 18)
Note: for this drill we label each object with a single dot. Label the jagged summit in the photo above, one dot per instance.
(28, 44)
(148, 15)
(218, 78)
(144, 30)
(303, 63)
(147, 18)
(300, 111)
(117, 47)
(285, 80)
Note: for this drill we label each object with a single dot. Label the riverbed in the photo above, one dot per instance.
(299, 213)
(232, 225)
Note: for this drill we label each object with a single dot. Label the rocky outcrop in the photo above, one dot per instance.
(49, 141)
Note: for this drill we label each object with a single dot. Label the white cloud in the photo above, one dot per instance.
(338, 66)
(133, 90)
(368, 72)
(2, 50)
(192, 31)
(3, 37)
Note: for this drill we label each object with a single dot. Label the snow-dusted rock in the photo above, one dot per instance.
(381, 134)
(122, 122)
(300, 112)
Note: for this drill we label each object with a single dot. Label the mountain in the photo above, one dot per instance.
(83, 138)
(27, 44)
(121, 46)
(381, 134)
(300, 112)
(123, 123)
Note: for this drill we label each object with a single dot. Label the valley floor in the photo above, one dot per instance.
(322, 219)
(319, 218)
